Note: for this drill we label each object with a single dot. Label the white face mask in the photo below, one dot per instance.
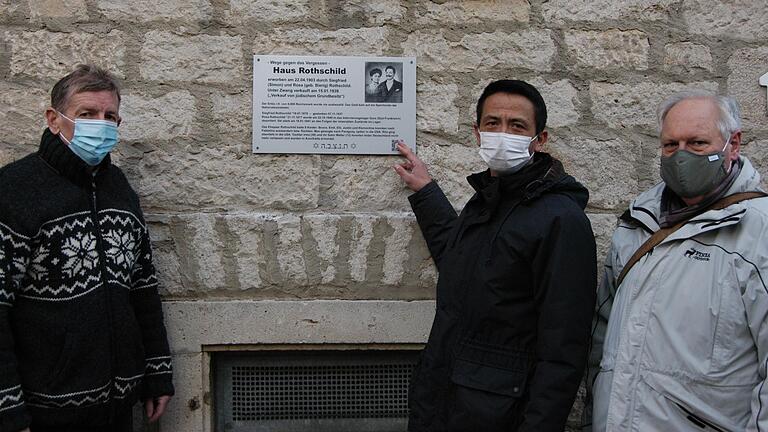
(505, 153)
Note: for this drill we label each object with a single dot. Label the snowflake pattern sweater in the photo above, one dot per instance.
(81, 323)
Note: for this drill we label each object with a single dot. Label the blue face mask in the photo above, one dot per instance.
(92, 140)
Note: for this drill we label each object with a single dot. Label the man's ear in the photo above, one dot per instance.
(52, 118)
(476, 131)
(538, 144)
(735, 146)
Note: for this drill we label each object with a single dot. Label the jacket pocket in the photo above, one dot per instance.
(485, 397)
(130, 358)
(694, 418)
(488, 378)
(59, 372)
(681, 405)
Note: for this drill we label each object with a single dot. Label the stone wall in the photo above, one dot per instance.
(231, 225)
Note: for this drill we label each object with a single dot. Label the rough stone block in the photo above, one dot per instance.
(747, 65)
(377, 12)
(562, 101)
(436, 107)
(10, 9)
(450, 164)
(362, 183)
(622, 105)
(74, 10)
(562, 11)
(474, 12)
(199, 248)
(610, 49)
(207, 244)
(157, 118)
(194, 176)
(232, 114)
(240, 11)
(323, 230)
(290, 257)
(22, 119)
(687, 57)
(739, 19)
(153, 10)
(164, 254)
(208, 59)
(361, 234)
(364, 41)
(433, 51)
(52, 55)
(606, 167)
(247, 241)
(530, 49)
(396, 249)
(603, 225)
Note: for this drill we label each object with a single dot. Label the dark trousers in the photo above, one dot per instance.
(123, 423)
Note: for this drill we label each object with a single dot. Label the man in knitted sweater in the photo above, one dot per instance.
(81, 325)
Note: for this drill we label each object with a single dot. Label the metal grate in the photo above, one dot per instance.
(320, 392)
(313, 390)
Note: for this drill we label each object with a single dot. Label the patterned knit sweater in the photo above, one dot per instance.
(81, 324)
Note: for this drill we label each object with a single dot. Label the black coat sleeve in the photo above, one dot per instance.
(435, 216)
(566, 278)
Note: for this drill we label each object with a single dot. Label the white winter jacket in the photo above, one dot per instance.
(686, 340)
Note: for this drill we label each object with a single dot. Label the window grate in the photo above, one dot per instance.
(312, 390)
(320, 392)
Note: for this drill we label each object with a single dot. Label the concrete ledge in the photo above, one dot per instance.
(195, 324)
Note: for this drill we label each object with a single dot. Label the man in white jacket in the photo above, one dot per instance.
(681, 335)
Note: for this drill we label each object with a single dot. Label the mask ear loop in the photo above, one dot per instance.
(728, 141)
(62, 114)
(61, 135)
(533, 138)
(730, 164)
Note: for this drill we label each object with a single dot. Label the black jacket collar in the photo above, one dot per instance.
(61, 159)
(529, 182)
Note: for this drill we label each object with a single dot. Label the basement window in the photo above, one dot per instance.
(312, 390)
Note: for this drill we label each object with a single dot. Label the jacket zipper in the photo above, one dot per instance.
(106, 290)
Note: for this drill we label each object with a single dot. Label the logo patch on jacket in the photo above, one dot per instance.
(697, 255)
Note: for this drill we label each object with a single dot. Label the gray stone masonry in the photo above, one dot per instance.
(231, 226)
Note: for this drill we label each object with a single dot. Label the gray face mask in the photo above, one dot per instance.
(691, 175)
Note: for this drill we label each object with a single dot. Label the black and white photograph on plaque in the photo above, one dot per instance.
(384, 82)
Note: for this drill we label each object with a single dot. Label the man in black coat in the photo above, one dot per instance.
(81, 325)
(517, 277)
(390, 90)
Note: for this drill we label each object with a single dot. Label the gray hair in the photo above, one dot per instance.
(84, 78)
(730, 115)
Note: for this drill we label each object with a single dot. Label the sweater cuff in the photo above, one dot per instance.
(157, 385)
(15, 419)
(158, 378)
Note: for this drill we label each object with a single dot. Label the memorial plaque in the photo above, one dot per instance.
(333, 105)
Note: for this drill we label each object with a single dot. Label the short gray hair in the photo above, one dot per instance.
(730, 115)
(84, 78)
